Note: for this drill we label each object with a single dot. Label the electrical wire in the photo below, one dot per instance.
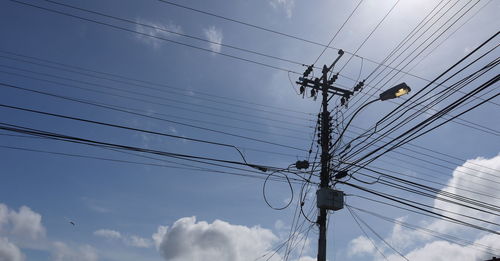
(376, 234)
(156, 37)
(338, 31)
(146, 116)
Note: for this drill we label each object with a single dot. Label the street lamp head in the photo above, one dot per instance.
(394, 92)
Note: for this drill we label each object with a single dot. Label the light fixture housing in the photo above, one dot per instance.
(396, 91)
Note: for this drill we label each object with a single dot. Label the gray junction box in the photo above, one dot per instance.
(330, 199)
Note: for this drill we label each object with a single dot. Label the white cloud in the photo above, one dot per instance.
(307, 258)
(134, 241)
(159, 235)
(425, 247)
(360, 246)
(474, 170)
(9, 251)
(23, 227)
(62, 252)
(191, 240)
(286, 5)
(214, 35)
(93, 205)
(442, 251)
(108, 233)
(26, 223)
(156, 30)
(4, 211)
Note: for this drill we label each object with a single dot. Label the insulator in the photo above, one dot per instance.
(308, 70)
(302, 89)
(342, 101)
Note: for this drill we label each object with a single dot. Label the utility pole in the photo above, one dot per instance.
(326, 198)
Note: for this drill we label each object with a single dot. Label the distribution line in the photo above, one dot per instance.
(461, 160)
(409, 55)
(427, 122)
(446, 237)
(410, 35)
(430, 192)
(446, 39)
(442, 74)
(128, 108)
(429, 206)
(190, 166)
(426, 47)
(127, 79)
(123, 127)
(103, 144)
(435, 214)
(172, 90)
(366, 234)
(147, 116)
(338, 31)
(174, 32)
(157, 97)
(283, 34)
(376, 234)
(156, 37)
(371, 33)
(193, 168)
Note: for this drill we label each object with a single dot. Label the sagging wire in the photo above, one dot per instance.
(364, 232)
(289, 184)
(291, 83)
(374, 232)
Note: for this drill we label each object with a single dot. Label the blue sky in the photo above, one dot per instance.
(127, 211)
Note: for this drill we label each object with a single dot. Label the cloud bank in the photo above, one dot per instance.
(421, 247)
(190, 240)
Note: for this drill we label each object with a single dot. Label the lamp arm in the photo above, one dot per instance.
(352, 118)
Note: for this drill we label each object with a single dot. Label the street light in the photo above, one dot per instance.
(394, 92)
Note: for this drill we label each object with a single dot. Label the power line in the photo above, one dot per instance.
(432, 213)
(441, 113)
(157, 97)
(128, 108)
(102, 144)
(371, 33)
(173, 32)
(366, 234)
(376, 234)
(281, 34)
(428, 206)
(127, 79)
(338, 31)
(147, 116)
(156, 37)
(193, 168)
(446, 237)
